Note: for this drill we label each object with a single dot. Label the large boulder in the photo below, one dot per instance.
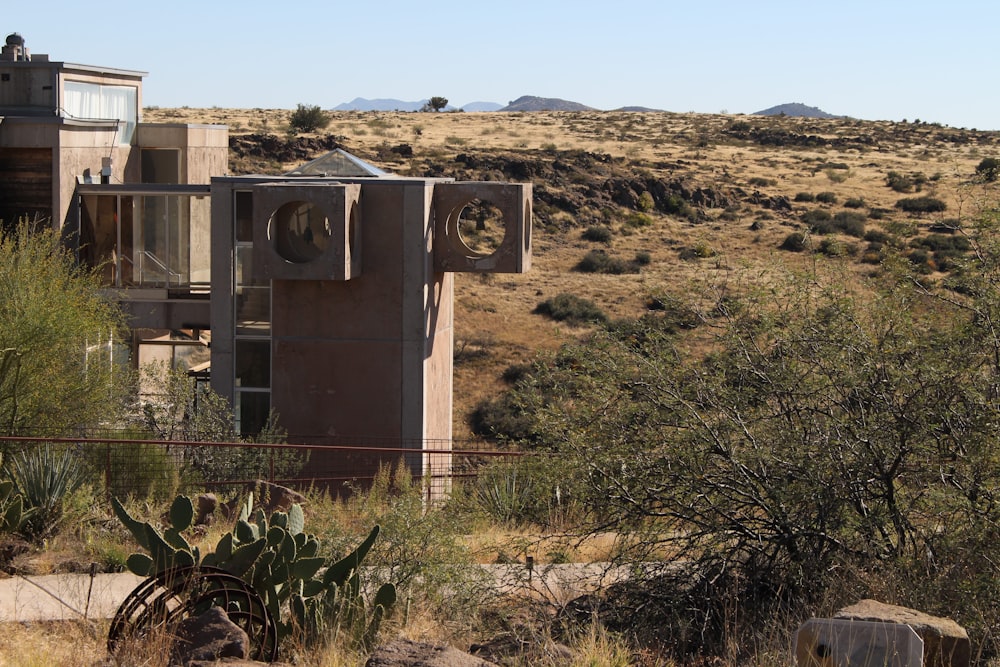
(208, 637)
(406, 653)
(946, 643)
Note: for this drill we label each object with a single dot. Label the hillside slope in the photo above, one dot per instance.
(698, 198)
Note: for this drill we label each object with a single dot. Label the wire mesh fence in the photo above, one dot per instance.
(144, 467)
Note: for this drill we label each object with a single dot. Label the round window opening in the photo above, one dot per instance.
(481, 228)
(300, 232)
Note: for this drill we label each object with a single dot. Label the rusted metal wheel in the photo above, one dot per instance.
(161, 602)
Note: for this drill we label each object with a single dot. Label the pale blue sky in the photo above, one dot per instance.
(936, 61)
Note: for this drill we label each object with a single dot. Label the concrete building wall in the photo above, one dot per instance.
(27, 86)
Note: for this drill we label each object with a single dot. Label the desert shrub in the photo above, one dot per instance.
(876, 236)
(827, 197)
(638, 219)
(805, 197)
(760, 182)
(899, 182)
(136, 470)
(700, 250)
(571, 309)
(946, 226)
(836, 176)
(988, 169)
(794, 242)
(817, 219)
(642, 258)
(645, 202)
(943, 243)
(598, 234)
(675, 205)
(876, 213)
(515, 373)
(921, 260)
(854, 202)
(308, 118)
(823, 431)
(598, 261)
(851, 223)
(921, 205)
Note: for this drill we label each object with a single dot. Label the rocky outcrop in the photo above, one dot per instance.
(946, 643)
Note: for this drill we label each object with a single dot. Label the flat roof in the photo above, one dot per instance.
(75, 67)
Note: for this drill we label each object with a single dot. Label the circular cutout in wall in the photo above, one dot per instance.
(299, 231)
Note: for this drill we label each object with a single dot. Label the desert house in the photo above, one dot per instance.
(325, 293)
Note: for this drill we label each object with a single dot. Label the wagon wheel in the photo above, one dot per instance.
(161, 602)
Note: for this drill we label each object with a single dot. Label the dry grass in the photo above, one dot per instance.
(494, 313)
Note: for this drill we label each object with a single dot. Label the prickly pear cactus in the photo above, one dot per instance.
(279, 559)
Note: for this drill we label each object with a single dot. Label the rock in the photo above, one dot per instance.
(406, 653)
(209, 637)
(946, 643)
(205, 505)
(275, 498)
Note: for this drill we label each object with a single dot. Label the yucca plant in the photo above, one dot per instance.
(44, 478)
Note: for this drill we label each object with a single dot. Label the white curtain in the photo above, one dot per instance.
(92, 101)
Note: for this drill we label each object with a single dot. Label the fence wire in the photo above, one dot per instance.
(144, 467)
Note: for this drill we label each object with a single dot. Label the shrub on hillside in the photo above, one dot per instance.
(308, 118)
(805, 197)
(571, 309)
(921, 205)
(851, 223)
(598, 234)
(827, 197)
(598, 261)
(794, 242)
(988, 169)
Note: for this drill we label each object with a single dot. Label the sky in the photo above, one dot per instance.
(873, 59)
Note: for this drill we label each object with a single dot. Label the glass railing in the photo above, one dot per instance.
(147, 236)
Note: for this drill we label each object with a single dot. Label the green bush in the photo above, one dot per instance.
(598, 261)
(876, 236)
(308, 118)
(571, 309)
(921, 205)
(851, 223)
(899, 182)
(598, 234)
(794, 242)
(805, 197)
(854, 202)
(827, 197)
(827, 444)
(988, 169)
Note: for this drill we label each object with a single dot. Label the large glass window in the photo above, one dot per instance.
(252, 317)
(93, 101)
(148, 240)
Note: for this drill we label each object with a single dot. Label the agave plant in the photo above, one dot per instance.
(43, 478)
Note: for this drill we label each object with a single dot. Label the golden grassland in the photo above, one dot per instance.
(494, 323)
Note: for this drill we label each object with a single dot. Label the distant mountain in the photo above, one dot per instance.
(481, 106)
(531, 103)
(641, 109)
(795, 109)
(361, 104)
